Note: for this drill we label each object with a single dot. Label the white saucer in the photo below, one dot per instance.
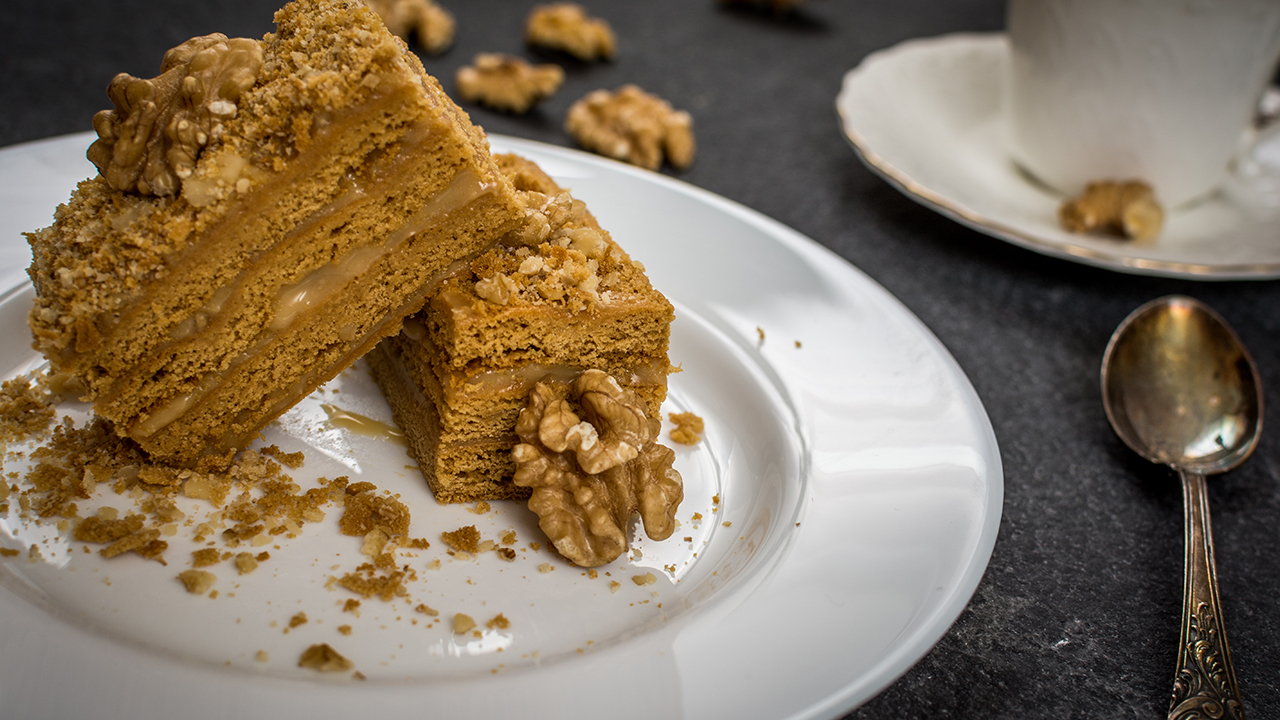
(927, 115)
(838, 515)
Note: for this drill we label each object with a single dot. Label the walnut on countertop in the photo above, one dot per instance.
(1125, 207)
(567, 27)
(507, 83)
(432, 25)
(633, 126)
(587, 450)
(150, 142)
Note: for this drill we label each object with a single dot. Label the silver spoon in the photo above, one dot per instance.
(1181, 390)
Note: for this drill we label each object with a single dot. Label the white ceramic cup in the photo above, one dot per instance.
(1160, 90)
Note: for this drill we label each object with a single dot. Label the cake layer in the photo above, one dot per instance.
(324, 209)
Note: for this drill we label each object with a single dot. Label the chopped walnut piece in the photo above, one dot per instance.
(633, 126)
(324, 658)
(587, 452)
(1128, 208)
(507, 83)
(567, 27)
(150, 142)
(688, 428)
(432, 25)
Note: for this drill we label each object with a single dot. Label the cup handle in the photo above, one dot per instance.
(1254, 179)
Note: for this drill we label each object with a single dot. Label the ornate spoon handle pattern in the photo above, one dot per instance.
(1205, 687)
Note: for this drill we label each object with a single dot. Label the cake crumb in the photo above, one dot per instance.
(344, 629)
(351, 605)
(9, 552)
(464, 539)
(614, 585)
(292, 460)
(688, 428)
(261, 656)
(759, 335)
(246, 562)
(197, 581)
(463, 623)
(366, 511)
(499, 622)
(546, 568)
(426, 609)
(299, 618)
(480, 508)
(323, 658)
(26, 409)
(205, 557)
(645, 579)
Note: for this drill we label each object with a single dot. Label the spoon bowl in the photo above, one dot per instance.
(1181, 390)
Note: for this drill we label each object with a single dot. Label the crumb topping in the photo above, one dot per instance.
(559, 256)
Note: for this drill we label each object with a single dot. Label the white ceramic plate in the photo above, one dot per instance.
(927, 115)
(859, 482)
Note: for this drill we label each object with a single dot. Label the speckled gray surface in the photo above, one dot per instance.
(1077, 614)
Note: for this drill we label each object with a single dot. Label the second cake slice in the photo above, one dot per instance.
(555, 298)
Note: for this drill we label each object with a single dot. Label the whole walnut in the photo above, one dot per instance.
(587, 450)
(152, 139)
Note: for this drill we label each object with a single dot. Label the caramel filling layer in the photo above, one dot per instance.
(316, 288)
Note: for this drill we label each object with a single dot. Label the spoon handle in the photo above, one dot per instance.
(1205, 685)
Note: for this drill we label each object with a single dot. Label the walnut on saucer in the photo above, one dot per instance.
(568, 28)
(587, 450)
(633, 126)
(507, 83)
(1125, 207)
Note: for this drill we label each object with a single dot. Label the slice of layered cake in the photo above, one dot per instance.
(265, 212)
(555, 298)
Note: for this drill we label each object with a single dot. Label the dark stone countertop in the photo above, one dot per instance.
(1077, 615)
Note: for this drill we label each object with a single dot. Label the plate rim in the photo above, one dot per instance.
(924, 634)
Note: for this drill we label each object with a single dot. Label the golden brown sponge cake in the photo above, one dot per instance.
(266, 211)
(556, 297)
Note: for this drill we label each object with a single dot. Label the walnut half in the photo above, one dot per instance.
(150, 142)
(507, 83)
(1128, 208)
(633, 126)
(433, 26)
(567, 27)
(587, 450)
